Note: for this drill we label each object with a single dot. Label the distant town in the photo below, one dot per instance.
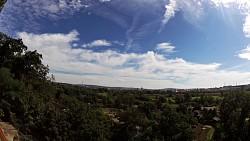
(175, 90)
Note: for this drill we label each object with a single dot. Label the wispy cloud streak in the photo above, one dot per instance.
(246, 25)
(243, 6)
(129, 14)
(171, 8)
(165, 47)
(140, 18)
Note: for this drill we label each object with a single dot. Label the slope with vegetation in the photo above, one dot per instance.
(31, 102)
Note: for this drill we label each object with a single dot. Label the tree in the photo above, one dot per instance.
(29, 66)
(187, 97)
(131, 126)
(235, 112)
(7, 83)
(9, 48)
(25, 65)
(2, 2)
(174, 126)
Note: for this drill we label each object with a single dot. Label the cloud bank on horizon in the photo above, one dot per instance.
(156, 66)
(111, 68)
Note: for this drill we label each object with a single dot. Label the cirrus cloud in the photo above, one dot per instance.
(129, 14)
(243, 6)
(166, 47)
(246, 26)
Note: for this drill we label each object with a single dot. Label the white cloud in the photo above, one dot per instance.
(119, 43)
(74, 45)
(166, 47)
(104, 0)
(243, 6)
(225, 3)
(129, 15)
(192, 10)
(111, 68)
(246, 26)
(98, 43)
(28, 14)
(171, 8)
(245, 53)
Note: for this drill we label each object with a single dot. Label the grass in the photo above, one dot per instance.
(210, 134)
(103, 94)
(213, 96)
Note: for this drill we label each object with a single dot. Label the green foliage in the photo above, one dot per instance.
(29, 66)
(2, 2)
(9, 48)
(173, 126)
(25, 65)
(235, 113)
(7, 83)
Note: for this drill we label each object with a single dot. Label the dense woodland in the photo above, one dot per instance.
(36, 105)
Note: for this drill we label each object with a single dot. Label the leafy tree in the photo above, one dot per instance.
(174, 126)
(7, 83)
(187, 97)
(25, 65)
(131, 126)
(9, 48)
(235, 112)
(2, 2)
(147, 107)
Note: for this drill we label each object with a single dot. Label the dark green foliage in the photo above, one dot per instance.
(235, 117)
(7, 83)
(49, 119)
(9, 48)
(173, 126)
(2, 2)
(25, 65)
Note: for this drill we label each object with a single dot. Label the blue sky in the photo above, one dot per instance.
(137, 43)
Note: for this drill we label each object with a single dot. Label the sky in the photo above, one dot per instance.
(136, 43)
